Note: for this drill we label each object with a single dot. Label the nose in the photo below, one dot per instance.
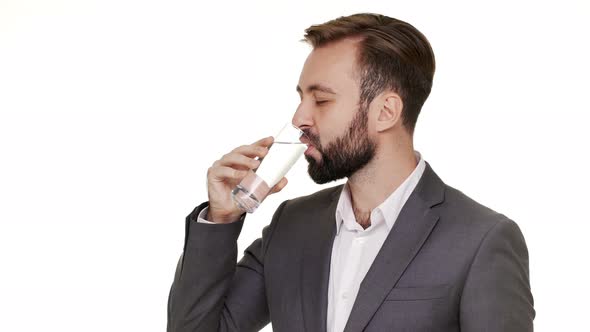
(302, 118)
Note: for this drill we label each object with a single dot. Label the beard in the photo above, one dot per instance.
(345, 155)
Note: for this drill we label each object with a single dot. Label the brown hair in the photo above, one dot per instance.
(392, 54)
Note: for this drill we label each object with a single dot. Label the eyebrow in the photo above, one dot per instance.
(317, 87)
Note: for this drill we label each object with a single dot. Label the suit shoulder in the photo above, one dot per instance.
(463, 211)
(465, 224)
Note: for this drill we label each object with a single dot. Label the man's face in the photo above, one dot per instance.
(337, 128)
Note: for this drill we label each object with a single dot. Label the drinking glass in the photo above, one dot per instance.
(286, 149)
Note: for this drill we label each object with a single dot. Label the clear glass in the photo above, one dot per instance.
(286, 149)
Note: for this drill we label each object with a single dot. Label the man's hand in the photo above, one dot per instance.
(226, 173)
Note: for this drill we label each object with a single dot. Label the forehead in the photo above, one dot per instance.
(332, 65)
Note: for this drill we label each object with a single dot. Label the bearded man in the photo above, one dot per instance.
(393, 249)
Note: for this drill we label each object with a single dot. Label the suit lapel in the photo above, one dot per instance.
(411, 229)
(315, 267)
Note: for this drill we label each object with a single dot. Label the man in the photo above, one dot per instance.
(394, 249)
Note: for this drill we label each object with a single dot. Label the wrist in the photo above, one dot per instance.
(222, 218)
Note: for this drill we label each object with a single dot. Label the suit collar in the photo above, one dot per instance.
(388, 210)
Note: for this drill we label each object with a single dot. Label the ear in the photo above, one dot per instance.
(390, 111)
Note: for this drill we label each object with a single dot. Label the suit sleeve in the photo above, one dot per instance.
(497, 296)
(210, 292)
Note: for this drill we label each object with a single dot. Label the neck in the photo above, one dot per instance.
(371, 185)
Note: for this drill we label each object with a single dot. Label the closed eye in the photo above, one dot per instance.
(320, 102)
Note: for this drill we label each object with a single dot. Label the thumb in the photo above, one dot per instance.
(279, 186)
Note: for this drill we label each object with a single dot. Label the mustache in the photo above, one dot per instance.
(313, 139)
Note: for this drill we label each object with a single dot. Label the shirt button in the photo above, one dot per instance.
(345, 295)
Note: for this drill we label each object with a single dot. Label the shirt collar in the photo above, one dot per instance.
(388, 210)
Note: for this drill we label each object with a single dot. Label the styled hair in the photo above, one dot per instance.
(392, 55)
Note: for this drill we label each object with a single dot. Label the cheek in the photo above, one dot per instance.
(328, 133)
(336, 120)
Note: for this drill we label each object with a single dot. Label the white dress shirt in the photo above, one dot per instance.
(354, 248)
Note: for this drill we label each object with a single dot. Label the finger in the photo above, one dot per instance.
(222, 173)
(279, 186)
(251, 151)
(236, 159)
(267, 141)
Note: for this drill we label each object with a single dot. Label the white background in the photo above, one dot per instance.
(112, 111)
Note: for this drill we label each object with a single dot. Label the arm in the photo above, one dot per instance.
(210, 292)
(497, 295)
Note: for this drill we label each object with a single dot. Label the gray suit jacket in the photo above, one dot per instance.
(448, 264)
